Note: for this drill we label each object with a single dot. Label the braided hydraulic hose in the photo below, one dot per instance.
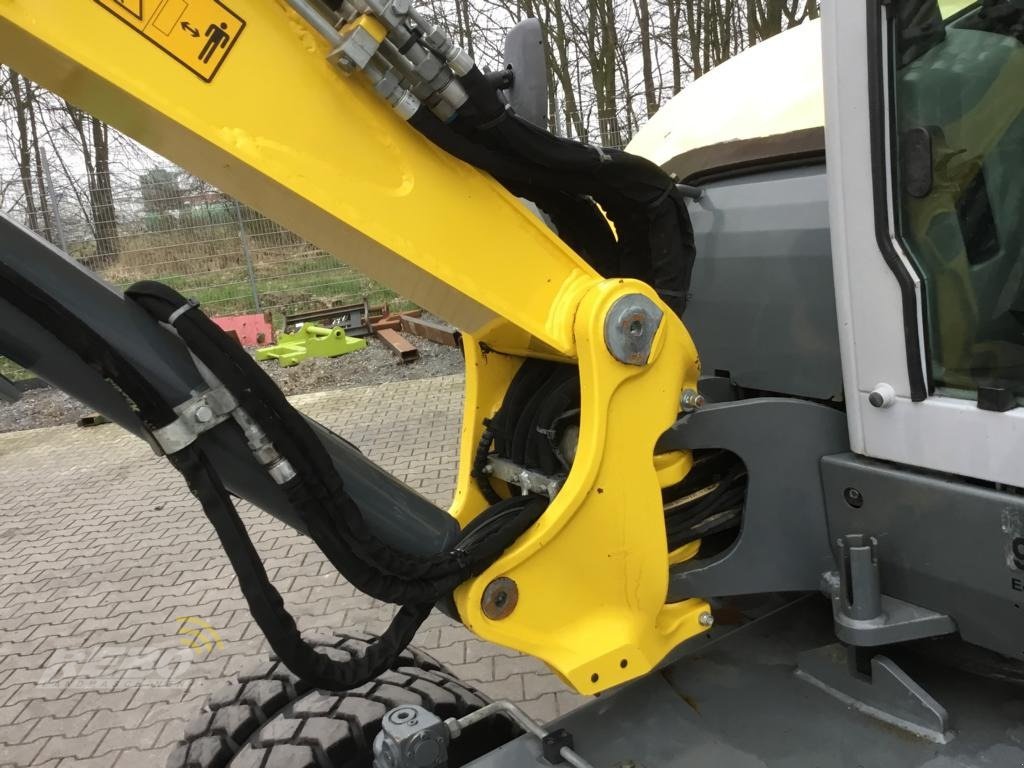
(346, 540)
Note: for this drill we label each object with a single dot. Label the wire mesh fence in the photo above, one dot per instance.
(162, 224)
(140, 218)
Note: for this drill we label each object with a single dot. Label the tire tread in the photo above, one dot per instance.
(268, 718)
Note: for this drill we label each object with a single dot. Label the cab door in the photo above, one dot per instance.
(925, 144)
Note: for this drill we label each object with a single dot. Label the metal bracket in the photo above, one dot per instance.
(528, 480)
(888, 693)
(411, 737)
(863, 615)
(783, 544)
(195, 416)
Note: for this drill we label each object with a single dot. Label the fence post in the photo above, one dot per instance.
(248, 257)
(58, 223)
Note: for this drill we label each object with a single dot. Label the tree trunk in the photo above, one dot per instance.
(41, 183)
(563, 72)
(675, 49)
(19, 93)
(643, 13)
(695, 36)
(93, 138)
(101, 196)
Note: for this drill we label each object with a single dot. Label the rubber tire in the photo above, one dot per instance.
(268, 718)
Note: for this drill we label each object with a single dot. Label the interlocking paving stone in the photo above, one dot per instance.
(103, 550)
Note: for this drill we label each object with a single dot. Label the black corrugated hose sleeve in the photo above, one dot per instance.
(531, 162)
(480, 545)
(86, 343)
(334, 521)
(266, 604)
(291, 434)
(264, 601)
(478, 473)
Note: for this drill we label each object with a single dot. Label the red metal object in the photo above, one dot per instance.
(406, 352)
(252, 330)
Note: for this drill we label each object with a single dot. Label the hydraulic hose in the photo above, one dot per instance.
(348, 542)
(333, 520)
(265, 602)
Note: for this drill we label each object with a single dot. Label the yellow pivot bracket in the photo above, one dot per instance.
(584, 589)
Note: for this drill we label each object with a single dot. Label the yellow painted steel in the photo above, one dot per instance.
(198, 34)
(592, 574)
(284, 131)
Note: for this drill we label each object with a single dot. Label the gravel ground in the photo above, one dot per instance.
(374, 365)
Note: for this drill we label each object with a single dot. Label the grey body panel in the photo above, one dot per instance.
(762, 301)
(735, 702)
(782, 544)
(524, 54)
(943, 544)
(398, 514)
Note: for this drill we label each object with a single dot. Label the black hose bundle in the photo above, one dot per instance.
(709, 500)
(316, 491)
(543, 401)
(332, 519)
(574, 183)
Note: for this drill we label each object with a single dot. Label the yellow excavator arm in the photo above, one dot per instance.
(252, 96)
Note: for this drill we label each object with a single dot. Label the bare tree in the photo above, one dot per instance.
(94, 143)
(20, 102)
(643, 17)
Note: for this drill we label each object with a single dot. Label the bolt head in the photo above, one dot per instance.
(203, 414)
(853, 497)
(402, 714)
(500, 598)
(706, 619)
(691, 400)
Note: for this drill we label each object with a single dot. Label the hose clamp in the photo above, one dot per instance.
(199, 414)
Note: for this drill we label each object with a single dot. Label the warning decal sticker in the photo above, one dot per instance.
(198, 34)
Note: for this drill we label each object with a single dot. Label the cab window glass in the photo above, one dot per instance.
(959, 129)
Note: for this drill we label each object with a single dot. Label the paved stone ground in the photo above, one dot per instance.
(102, 551)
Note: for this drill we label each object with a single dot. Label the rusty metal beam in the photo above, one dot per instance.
(440, 333)
(406, 352)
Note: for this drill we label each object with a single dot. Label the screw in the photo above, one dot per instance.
(691, 400)
(203, 414)
(706, 619)
(853, 497)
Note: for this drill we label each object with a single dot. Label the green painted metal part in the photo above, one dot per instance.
(311, 340)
